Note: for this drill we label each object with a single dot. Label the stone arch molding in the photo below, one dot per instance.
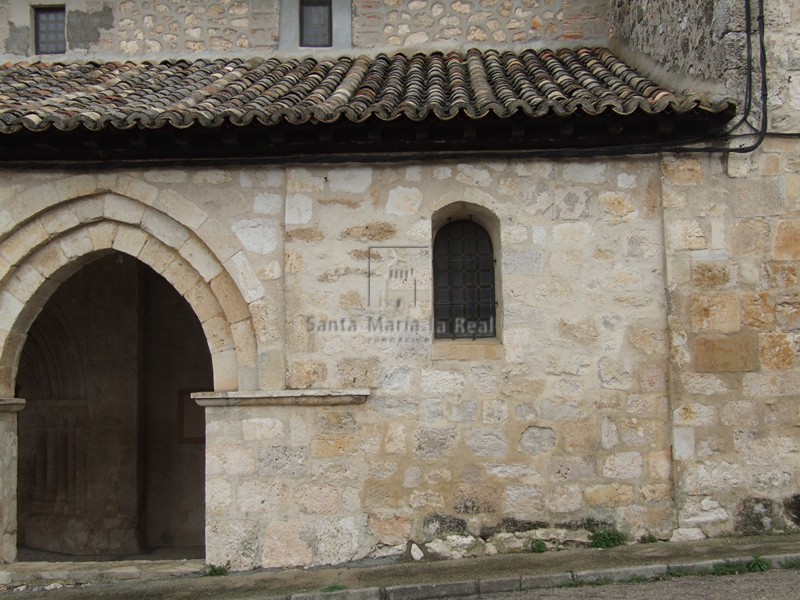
(46, 237)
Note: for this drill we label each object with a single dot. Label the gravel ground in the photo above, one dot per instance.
(771, 585)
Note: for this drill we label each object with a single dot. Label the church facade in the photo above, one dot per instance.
(452, 274)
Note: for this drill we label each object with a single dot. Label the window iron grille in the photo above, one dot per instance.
(464, 285)
(50, 25)
(316, 23)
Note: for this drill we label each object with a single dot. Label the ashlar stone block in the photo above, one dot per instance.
(715, 312)
(731, 353)
(787, 241)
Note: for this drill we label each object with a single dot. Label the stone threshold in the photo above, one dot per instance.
(310, 397)
(81, 572)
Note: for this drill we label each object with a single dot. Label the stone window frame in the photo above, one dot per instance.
(341, 27)
(480, 348)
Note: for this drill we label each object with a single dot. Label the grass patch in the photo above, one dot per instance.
(575, 583)
(537, 546)
(677, 573)
(334, 587)
(730, 568)
(607, 539)
(601, 581)
(791, 563)
(636, 579)
(648, 538)
(756, 565)
(213, 570)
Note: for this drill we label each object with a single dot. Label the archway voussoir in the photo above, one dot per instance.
(7, 223)
(247, 352)
(59, 219)
(10, 309)
(5, 269)
(48, 260)
(203, 302)
(102, 234)
(231, 300)
(129, 240)
(201, 259)
(125, 210)
(218, 334)
(135, 188)
(17, 245)
(245, 277)
(157, 255)
(12, 342)
(75, 244)
(25, 282)
(166, 230)
(89, 209)
(181, 276)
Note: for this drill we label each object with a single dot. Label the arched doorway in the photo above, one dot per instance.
(111, 452)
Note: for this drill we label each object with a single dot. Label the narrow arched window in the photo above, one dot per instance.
(463, 281)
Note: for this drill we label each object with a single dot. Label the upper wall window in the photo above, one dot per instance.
(50, 25)
(316, 24)
(463, 281)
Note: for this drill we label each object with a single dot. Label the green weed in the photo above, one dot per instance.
(537, 546)
(213, 570)
(334, 587)
(607, 539)
(758, 564)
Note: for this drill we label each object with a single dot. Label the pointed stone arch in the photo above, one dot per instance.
(51, 239)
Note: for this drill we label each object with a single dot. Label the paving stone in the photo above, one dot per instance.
(622, 573)
(494, 586)
(437, 590)
(362, 594)
(535, 582)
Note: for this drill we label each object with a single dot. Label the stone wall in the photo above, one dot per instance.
(143, 28)
(416, 22)
(707, 41)
(685, 36)
(568, 415)
(566, 419)
(147, 29)
(732, 251)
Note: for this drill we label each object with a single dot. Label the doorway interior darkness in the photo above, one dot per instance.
(111, 449)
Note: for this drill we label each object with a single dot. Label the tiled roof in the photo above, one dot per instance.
(208, 93)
